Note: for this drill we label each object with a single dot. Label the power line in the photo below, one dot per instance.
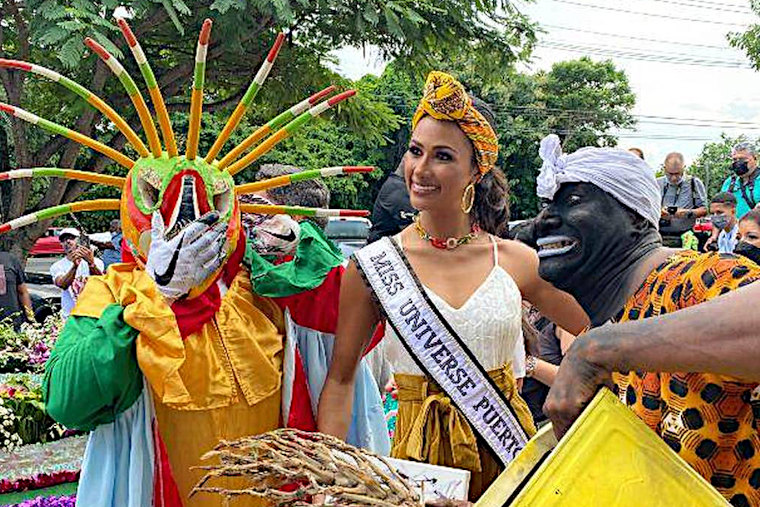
(710, 6)
(661, 16)
(652, 52)
(400, 100)
(610, 53)
(643, 39)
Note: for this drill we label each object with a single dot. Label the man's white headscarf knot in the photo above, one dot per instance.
(618, 172)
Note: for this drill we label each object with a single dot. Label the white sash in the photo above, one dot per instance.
(437, 349)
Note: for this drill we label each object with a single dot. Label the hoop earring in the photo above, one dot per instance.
(468, 198)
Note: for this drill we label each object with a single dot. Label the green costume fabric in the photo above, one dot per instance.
(92, 374)
(315, 257)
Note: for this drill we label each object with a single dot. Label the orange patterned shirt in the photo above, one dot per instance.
(711, 421)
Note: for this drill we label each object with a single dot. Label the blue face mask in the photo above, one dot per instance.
(719, 221)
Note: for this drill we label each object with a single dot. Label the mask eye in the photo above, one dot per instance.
(147, 185)
(222, 197)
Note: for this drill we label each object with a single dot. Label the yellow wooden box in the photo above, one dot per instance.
(608, 458)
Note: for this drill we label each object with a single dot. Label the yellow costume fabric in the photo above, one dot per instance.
(220, 383)
(444, 98)
(711, 421)
(430, 429)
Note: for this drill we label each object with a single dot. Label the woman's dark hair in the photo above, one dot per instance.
(753, 215)
(491, 206)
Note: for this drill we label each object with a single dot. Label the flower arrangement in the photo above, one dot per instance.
(27, 349)
(50, 501)
(23, 419)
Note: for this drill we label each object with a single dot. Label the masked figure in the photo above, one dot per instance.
(170, 351)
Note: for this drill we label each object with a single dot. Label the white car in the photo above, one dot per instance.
(349, 233)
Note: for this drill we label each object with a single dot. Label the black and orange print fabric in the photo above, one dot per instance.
(710, 420)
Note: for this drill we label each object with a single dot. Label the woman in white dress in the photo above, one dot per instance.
(476, 281)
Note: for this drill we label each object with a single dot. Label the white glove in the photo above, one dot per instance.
(187, 260)
(271, 234)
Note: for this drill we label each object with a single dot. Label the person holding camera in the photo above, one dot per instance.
(71, 272)
(742, 183)
(684, 199)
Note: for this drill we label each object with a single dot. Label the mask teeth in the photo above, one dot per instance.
(186, 210)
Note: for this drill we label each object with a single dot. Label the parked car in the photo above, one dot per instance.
(349, 233)
(48, 244)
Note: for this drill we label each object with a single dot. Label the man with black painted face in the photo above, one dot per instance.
(598, 240)
(742, 183)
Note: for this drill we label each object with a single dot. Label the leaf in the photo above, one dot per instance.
(182, 7)
(169, 8)
(83, 6)
(370, 14)
(53, 36)
(52, 10)
(222, 6)
(393, 23)
(71, 25)
(71, 52)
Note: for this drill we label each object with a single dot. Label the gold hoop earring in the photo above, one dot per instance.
(468, 198)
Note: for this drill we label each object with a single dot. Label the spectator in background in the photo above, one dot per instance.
(309, 193)
(723, 218)
(742, 182)
(684, 199)
(111, 249)
(637, 152)
(542, 363)
(14, 295)
(71, 272)
(392, 211)
(749, 236)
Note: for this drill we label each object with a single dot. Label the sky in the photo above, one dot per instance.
(690, 84)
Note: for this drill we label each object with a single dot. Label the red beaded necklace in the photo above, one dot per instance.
(445, 243)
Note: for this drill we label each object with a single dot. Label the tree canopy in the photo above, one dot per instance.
(51, 33)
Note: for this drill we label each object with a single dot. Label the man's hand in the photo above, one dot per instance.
(682, 213)
(86, 255)
(664, 213)
(576, 383)
(708, 243)
(185, 261)
(74, 256)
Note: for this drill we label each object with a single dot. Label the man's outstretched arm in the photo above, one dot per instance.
(720, 336)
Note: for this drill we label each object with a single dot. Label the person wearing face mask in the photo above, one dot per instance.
(749, 236)
(742, 183)
(684, 199)
(725, 227)
(452, 294)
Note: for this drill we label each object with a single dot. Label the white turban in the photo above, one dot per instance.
(618, 172)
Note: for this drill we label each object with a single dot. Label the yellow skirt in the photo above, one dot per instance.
(430, 429)
(188, 434)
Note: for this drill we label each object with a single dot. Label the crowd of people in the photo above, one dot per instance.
(481, 331)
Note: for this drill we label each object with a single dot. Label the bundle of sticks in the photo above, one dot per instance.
(295, 468)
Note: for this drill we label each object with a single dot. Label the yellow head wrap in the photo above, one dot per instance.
(444, 98)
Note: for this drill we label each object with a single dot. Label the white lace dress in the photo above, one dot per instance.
(489, 323)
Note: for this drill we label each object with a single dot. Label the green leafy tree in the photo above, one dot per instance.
(50, 33)
(585, 100)
(580, 100)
